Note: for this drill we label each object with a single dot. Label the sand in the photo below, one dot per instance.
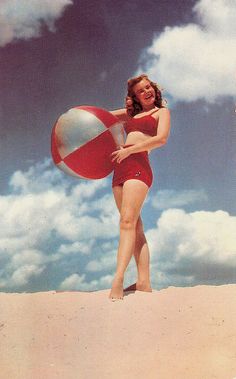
(175, 333)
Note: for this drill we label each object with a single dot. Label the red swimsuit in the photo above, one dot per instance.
(136, 166)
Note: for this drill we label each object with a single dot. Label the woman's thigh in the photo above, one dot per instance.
(133, 196)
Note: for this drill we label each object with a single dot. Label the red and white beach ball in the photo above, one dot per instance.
(83, 139)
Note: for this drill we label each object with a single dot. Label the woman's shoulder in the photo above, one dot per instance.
(121, 114)
(158, 111)
(162, 111)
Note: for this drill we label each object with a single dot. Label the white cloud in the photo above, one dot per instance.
(194, 248)
(165, 199)
(29, 257)
(197, 60)
(39, 178)
(106, 257)
(22, 19)
(49, 218)
(106, 262)
(77, 282)
(21, 267)
(88, 189)
(72, 282)
(22, 275)
(83, 248)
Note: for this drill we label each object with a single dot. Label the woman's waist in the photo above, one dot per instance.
(133, 140)
(132, 158)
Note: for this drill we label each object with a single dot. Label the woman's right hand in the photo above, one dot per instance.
(129, 105)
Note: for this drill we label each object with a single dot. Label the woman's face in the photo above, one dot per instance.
(145, 94)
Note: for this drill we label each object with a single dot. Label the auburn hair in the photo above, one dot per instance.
(136, 107)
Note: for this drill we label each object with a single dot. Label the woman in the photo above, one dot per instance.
(147, 125)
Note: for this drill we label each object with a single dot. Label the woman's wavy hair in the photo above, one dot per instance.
(136, 107)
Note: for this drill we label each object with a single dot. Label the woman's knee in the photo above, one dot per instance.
(128, 221)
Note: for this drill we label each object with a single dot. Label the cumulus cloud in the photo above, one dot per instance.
(48, 218)
(106, 262)
(83, 248)
(22, 19)
(193, 248)
(21, 275)
(78, 282)
(165, 199)
(196, 60)
(22, 267)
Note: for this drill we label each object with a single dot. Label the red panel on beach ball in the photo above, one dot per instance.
(83, 139)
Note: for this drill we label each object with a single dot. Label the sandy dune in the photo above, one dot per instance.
(176, 333)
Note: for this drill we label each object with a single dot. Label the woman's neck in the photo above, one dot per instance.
(148, 109)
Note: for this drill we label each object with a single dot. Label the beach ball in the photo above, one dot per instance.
(83, 139)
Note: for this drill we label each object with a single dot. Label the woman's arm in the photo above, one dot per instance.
(121, 114)
(151, 143)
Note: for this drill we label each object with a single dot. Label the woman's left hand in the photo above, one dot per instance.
(120, 155)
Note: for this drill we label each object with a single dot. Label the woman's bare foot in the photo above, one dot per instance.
(139, 286)
(116, 290)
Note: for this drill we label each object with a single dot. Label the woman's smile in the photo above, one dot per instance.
(145, 93)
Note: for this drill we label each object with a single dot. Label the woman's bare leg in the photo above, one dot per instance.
(133, 196)
(141, 251)
(142, 259)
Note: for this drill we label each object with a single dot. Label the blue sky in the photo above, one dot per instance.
(57, 232)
